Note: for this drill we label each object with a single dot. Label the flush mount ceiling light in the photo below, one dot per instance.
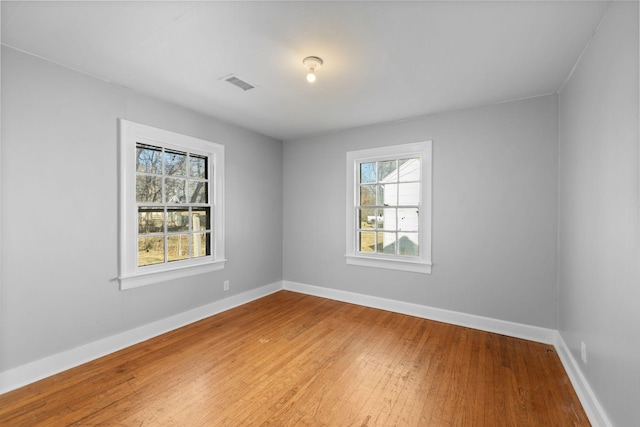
(312, 63)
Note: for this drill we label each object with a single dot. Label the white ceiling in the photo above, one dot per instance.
(383, 61)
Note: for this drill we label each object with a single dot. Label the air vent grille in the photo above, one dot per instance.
(239, 83)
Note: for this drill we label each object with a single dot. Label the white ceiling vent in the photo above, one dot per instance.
(234, 80)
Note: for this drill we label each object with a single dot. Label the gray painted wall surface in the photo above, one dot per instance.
(494, 212)
(59, 211)
(599, 207)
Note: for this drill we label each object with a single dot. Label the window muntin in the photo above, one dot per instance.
(174, 214)
(389, 207)
(171, 205)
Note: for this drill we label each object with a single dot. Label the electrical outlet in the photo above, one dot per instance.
(583, 352)
(226, 285)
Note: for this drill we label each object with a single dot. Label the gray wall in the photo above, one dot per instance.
(599, 206)
(494, 212)
(59, 211)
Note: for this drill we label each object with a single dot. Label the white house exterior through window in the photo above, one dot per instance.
(389, 207)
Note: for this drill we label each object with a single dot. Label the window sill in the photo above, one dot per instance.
(392, 264)
(148, 278)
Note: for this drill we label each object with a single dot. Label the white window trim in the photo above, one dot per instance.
(132, 276)
(421, 264)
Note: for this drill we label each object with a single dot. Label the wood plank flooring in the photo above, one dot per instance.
(296, 360)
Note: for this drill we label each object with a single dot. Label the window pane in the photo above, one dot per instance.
(387, 171)
(150, 250)
(387, 243)
(409, 194)
(366, 241)
(409, 170)
(175, 190)
(150, 220)
(367, 173)
(148, 159)
(177, 219)
(367, 195)
(200, 219)
(408, 219)
(389, 220)
(409, 244)
(148, 189)
(198, 167)
(201, 245)
(178, 247)
(175, 163)
(198, 192)
(367, 218)
(388, 194)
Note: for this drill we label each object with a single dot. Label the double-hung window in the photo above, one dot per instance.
(171, 205)
(389, 207)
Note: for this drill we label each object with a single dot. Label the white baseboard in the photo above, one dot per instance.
(37, 370)
(51, 365)
(503, 327)
(596, 413)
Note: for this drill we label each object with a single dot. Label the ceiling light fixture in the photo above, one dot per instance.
(312, 63)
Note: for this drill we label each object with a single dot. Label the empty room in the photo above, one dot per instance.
(320, 213)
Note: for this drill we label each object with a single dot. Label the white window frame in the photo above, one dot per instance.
(130, 275)
(419, 264)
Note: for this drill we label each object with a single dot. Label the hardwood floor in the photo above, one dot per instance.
(296, 360)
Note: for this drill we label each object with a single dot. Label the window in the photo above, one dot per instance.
(171, 205)
(389, 207)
